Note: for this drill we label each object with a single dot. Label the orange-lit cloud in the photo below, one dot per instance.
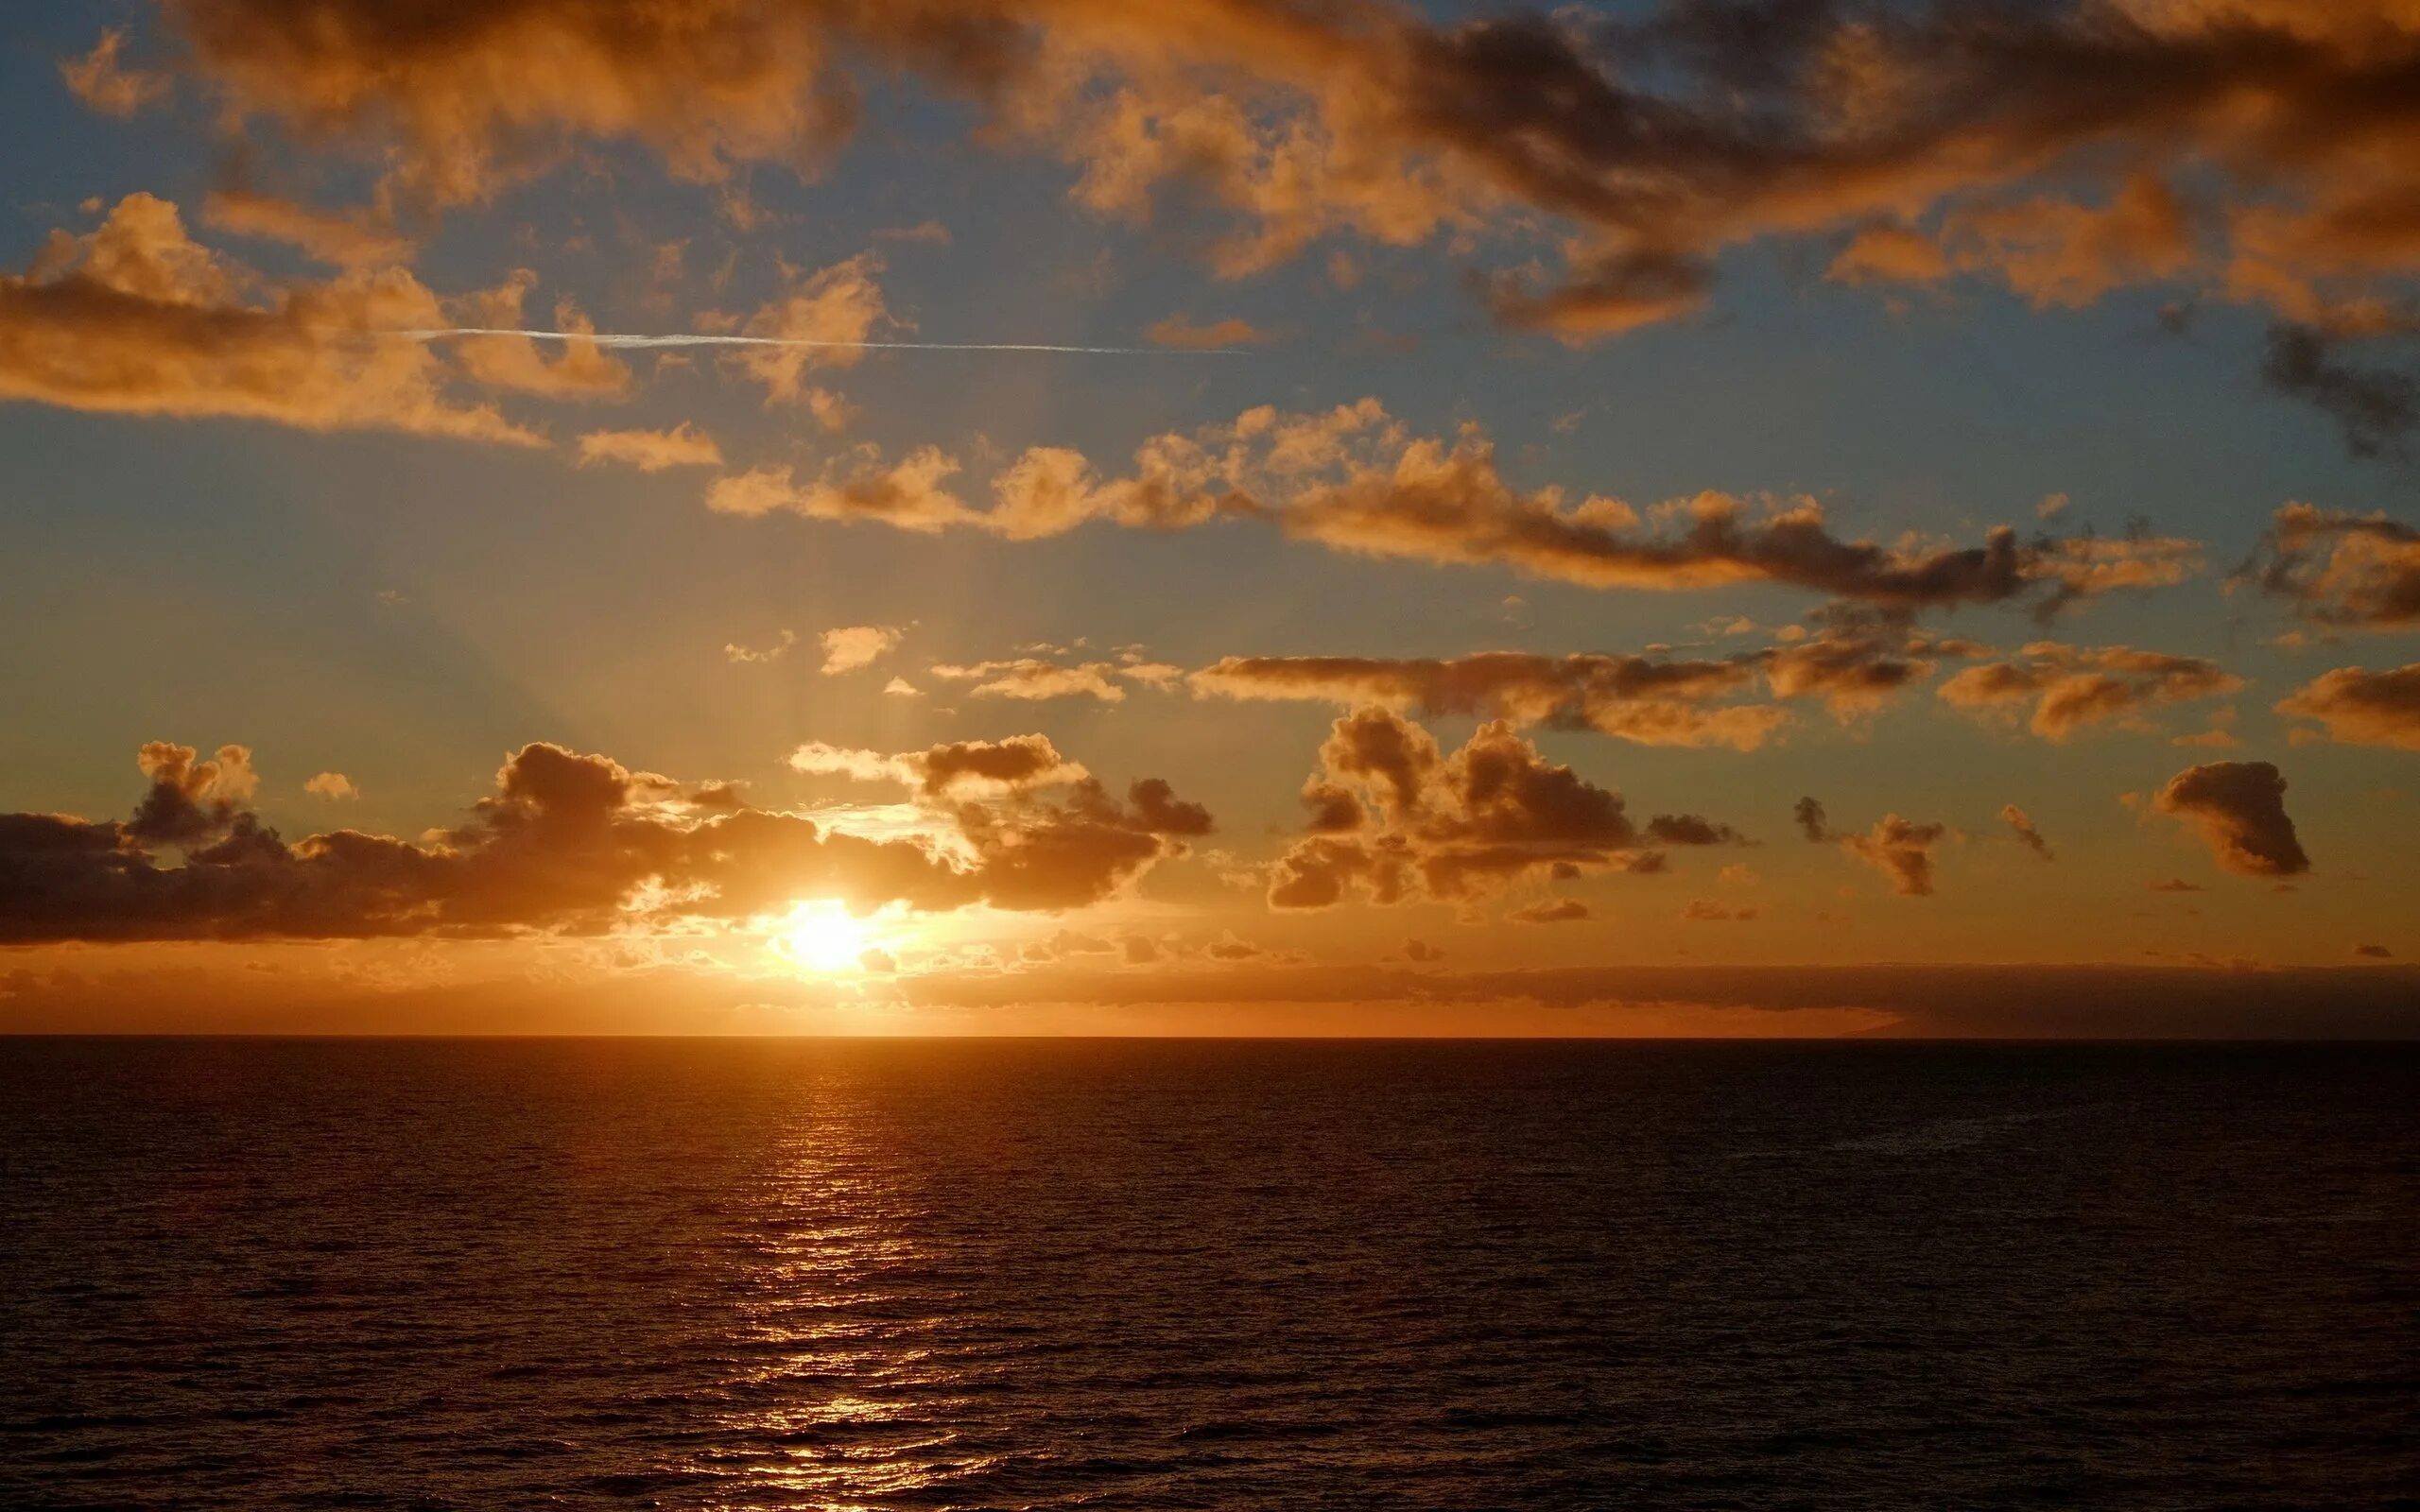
(1900, 848)
(2363, 708)
(2027, 834)
(135, 318)
(848, 647)
(2240, 807)
(570, 843)
(684, 445)
(2071, 688)
(1633, 149)
(107, 85)
(1395, 817)
(1353, 479)
(2361, 572)
(1032, 679)
(361, 237)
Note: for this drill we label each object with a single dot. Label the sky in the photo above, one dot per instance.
(1771, 517)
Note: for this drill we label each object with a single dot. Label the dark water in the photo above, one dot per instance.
(256, 1274)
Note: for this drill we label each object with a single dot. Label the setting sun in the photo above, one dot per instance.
(824, 937)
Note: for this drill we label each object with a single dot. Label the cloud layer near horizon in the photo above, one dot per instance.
(573, 843)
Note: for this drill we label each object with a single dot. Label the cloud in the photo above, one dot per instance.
(2023, 829)
(2072, 688)
(957, 768)
(2056, 252)
(684, 445)
(1901, 850)
(1395, 817)
(847, 647)
(2240, 808)
(840, 304)
(2177, 885)
(331, 785)
(2359, 707)
(1353, 479)
(1708, 910)
(567, 843)
(135, 318)
(2374, 407)
(1550, 911)
(500, 357)
(106, 85)
(732, 651)
(1647, 701)
(907, 495)
(1636, 147)
(1031, 679)
(931, 231)
(1427, 501)
(360, 238)
(1609, 295)
(1890, 254)
(2361, 572)
(1177, 331)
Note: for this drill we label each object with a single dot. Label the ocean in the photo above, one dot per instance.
(1106, 1274)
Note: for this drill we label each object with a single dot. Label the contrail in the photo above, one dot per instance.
(625, 340)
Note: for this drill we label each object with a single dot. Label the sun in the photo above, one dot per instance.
(823, 937)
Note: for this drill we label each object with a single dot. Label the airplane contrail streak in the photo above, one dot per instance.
(625, 341)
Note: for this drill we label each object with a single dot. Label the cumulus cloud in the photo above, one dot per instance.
(2071, 688)
(1900, 848)
(334, 785)
(2359, 571)
(136, 318)
(1394, 817)
(2240, 807)
(847, 647)
(567, 843)
(2361, 708)
(684, 445)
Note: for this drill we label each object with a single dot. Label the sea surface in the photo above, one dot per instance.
(266, 1274)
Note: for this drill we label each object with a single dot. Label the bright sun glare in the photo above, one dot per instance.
(824, 937)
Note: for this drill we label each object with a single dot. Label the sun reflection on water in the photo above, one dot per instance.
(839, 1399)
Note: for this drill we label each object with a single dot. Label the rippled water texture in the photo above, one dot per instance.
(252, 1274)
